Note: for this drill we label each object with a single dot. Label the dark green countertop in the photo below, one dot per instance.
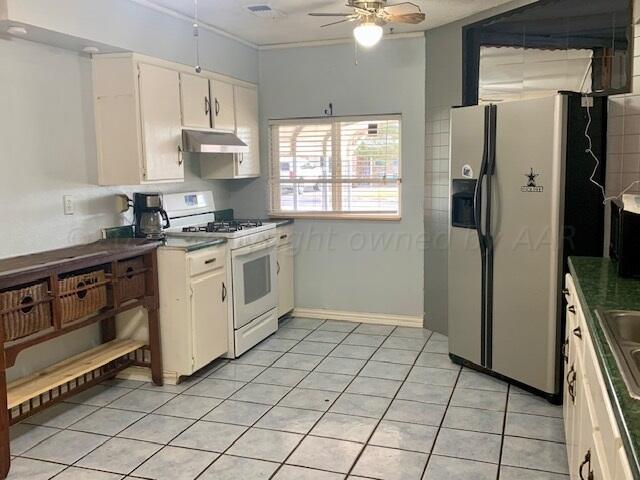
(190, 244)
(280, 222)
(599, 286)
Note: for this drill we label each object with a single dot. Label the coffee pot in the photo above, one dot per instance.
(151, 218)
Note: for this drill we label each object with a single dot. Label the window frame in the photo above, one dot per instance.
(274, 168)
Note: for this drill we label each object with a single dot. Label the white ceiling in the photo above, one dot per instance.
(295, 25)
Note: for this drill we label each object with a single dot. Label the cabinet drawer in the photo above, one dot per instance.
(622, 471)
(573, 304)
(285, 234)
(206, 260)
(603, 413)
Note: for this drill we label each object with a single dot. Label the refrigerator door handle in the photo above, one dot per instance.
(483, 228)
(478, 194)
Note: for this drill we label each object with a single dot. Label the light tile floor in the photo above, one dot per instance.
(321, 400)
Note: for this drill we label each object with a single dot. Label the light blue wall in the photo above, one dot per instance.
(332, 269)
(130, 26)
(48, 139)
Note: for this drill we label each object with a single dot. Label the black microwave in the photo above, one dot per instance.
(624, 246)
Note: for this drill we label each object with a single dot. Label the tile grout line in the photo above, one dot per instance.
(323, 357)
(221, 365)
(112, 383)
(334, 401)
(355, 462)
(253, 425)
(444, 415)
(504, 429)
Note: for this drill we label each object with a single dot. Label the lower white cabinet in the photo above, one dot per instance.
(594, 445)
(193, 308)
(285, 270)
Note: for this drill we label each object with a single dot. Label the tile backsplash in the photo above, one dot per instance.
(623, 136)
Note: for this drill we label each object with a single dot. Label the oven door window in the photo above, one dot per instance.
(257, 279)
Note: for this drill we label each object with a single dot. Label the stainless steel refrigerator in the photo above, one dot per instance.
(521, 203)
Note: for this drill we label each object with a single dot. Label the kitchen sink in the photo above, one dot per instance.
(622, 329)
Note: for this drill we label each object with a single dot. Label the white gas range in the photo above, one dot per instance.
(251, 262)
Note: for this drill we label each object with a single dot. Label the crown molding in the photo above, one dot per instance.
(309, 43)
(181, 16)
(337, 41)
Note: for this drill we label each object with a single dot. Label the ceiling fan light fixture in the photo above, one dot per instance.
(368, 34)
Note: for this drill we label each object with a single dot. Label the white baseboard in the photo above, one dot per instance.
(361, 317)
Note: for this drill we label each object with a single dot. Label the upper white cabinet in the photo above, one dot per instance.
(196, 101)
(141, 106)
(138, 124)
(223, 113)
(161, 131)
(248, 130)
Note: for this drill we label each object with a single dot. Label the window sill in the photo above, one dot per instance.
(336, 216)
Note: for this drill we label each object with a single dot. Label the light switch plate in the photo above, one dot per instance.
(69, 208)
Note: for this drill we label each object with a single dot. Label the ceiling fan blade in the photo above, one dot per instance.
(401, 8)
(413, 18)
(330, 14)
(336, 23)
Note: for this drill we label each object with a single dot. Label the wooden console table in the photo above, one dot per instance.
(49, 294)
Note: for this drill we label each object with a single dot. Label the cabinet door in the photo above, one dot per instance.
(248, 130)
(285, 279)
(224, 116)
(196, 103)
(209, 317)
(161, 126)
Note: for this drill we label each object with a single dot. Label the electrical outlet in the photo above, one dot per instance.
(587, 102)
(69, 208)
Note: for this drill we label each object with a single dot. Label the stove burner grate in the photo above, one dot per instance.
(224, 227)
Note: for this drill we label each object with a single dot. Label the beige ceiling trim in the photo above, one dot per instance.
(337, 41)
(167, 11)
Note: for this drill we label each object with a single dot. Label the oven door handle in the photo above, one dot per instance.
(244, 251)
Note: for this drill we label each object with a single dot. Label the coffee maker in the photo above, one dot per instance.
(151, 218)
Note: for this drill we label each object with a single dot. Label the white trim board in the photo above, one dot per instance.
(338, 41)
(360, 317)
(181, 16)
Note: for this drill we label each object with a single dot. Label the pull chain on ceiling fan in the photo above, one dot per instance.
(196, 35)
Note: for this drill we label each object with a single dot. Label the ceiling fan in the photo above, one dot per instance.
(372, 15)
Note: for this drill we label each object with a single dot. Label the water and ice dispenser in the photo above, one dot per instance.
(462, 195)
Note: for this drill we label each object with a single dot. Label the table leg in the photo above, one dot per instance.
(156, 347)
(108, 329)
(5, 457)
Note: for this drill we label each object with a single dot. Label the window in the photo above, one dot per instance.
(336, 167)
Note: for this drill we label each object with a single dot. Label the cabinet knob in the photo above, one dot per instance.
(224, 292)
(206, 106)
(572, 309)
(180, 159)
(217, 107)
(577, 332)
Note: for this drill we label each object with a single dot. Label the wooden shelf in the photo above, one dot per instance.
(29, 387)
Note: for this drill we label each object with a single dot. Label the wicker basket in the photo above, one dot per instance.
(82, 295)
(25, 311)
(131, 279)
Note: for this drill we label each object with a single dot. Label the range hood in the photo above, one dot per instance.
(199, 141)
